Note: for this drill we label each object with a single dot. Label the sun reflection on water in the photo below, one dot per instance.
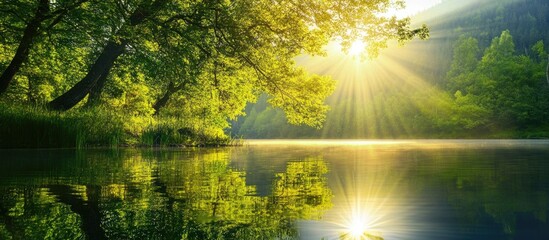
(360, 224)
(360, 227)
(371, 199)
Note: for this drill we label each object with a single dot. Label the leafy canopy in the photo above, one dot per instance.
(216, 55)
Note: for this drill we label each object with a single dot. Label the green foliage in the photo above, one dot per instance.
(208, 58)
(470, 115)
(212, 58)
(465, 59)
(36, 127)
(303, 101)
(509, 86)
(172, 132)
(496, 94)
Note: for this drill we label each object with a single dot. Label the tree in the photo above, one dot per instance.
(503, 89)
(262, 37)
(465, 60)
(102, 65)
(44, 18)
(540, 55)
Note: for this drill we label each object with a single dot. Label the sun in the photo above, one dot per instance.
(357, 48)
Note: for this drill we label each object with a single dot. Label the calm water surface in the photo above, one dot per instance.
(472, 189)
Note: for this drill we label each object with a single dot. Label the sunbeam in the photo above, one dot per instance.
(369, 92)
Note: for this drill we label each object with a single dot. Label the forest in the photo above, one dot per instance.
(169, 72)
(175, 72)
(484, 74)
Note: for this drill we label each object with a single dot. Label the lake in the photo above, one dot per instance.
(275, 189)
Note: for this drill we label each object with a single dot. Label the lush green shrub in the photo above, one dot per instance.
(171, 132)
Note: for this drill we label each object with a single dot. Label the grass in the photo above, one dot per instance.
(37, 127)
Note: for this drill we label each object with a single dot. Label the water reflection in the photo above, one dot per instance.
(454, 190)
(370, 193)
(323, 191)
(163, 195)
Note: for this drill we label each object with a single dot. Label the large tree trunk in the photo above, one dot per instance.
(97, 90)
(105, 61)
(103, 64)
(22, 53)
(161, 102)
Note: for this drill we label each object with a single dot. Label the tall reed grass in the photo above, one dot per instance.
(24, 126)
(37, 127)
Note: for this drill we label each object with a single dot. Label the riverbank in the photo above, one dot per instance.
(37, 127)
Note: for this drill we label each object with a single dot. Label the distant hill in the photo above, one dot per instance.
(527, 20)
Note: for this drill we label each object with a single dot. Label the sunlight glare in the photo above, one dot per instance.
(368, 87)
(357, 48)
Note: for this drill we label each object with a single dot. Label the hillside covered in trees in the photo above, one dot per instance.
(482, 74)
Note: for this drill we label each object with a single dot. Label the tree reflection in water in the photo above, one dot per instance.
(262, 192)
(160, 195)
